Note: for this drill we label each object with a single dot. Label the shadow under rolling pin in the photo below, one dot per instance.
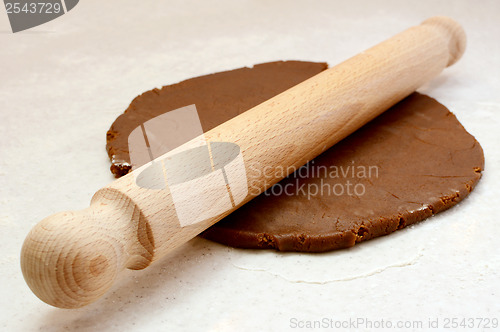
(72, 258)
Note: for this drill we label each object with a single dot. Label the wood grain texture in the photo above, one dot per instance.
(72, 258)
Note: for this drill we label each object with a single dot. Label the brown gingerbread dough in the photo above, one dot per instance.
(411, 162)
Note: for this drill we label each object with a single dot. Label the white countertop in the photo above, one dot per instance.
(63, 83)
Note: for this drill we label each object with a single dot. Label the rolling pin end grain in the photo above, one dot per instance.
(453, 32)
(66, 263)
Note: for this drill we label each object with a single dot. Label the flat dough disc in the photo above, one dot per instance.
(411, 162)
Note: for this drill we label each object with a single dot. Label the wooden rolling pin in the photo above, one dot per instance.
(72, 258)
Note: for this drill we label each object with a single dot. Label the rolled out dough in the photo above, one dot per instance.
(411, 162)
